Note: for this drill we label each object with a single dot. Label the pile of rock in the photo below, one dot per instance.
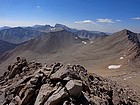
(57, 84)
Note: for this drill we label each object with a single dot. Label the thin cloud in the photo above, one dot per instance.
(118, 20)
(105, 20)
(85, 22)
(136, 18)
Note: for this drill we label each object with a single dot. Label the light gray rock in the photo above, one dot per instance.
(57, 97)
(45, 91)
(1, 98)
(70, 73)
(55, 68)
(57, 75)
(74, 88)
(18, 100)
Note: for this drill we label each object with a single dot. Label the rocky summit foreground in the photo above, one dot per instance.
(31, 83)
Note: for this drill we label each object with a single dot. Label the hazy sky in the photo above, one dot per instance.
(101, 15)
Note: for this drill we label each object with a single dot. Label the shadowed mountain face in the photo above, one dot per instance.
(134, 48)
(50, 42)
(6, 46)
(18, 35)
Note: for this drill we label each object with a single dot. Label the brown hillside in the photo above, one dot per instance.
(121, 48)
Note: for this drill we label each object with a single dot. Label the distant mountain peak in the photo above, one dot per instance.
(125, 31)
(36, 26)
(18, 34)
(133, 37)
(4, 27)
(21, 34)
(16, 28)
(60, 26)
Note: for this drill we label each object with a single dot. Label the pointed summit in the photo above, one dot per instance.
(125, 31)
(133, 37)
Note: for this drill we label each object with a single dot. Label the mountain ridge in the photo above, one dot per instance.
(80, 33)
(116, 56)
(18, 35)
(51, 41)
(54, 42)
(5, 46)
(21, 34)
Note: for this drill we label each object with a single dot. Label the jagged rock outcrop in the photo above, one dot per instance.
(32, 83)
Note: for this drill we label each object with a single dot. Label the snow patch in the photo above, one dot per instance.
(76, 37)
(121, 57)
(114, 66)
(84, 42)
(91, 42)
(53, 28)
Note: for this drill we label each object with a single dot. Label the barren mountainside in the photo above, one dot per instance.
(116, 57)
(67, 46)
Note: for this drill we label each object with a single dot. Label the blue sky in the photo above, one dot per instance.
(100, 15)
